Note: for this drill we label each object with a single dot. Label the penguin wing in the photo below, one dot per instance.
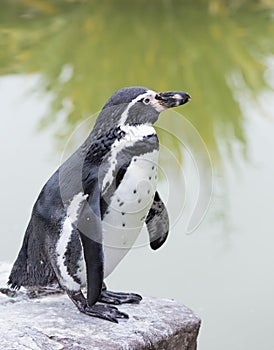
(90, 229)
(157, 223)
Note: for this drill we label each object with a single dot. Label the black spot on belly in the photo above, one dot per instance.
(124, 225)
(122, 203)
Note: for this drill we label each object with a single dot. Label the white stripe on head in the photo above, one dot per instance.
(124, 116)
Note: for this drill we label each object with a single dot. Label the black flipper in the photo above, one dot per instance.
(157, 223)
(90, 229)
(89, 226)
(118, 298)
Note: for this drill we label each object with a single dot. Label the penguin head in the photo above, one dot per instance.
(134, 106)
(141, 105)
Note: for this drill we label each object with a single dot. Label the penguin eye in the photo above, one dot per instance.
(146, 100)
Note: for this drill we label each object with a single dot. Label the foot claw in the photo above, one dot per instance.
(9, 292)
(119, 298)
(105, 312)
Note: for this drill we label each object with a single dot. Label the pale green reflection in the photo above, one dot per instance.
(85, 50)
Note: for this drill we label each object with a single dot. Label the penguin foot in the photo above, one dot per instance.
(118, 298)
(106, 312)
(9, 292)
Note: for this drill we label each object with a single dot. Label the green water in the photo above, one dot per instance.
(59, 63)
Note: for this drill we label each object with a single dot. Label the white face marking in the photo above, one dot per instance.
(132, 134)
(157, 105)
(148, 94)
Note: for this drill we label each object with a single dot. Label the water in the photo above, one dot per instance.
(60, 62)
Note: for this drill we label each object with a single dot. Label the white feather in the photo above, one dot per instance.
(123, 223)
(62, 244)
(132, 134)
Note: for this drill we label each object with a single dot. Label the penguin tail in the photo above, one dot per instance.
(32, 267)
(19, 273)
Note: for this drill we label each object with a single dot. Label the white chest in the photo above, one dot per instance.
(128, 208)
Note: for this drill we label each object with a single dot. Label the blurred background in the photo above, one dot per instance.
(61, 60)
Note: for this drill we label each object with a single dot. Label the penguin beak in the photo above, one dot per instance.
(172, 98)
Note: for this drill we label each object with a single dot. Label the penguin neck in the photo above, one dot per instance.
(134, 132)
(109, 118)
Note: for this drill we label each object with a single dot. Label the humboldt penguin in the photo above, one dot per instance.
(92, 209)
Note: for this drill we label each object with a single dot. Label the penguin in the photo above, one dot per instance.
(92, 209)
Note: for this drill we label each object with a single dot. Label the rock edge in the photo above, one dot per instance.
(53, 323)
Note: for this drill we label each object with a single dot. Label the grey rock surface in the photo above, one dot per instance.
(54, 323)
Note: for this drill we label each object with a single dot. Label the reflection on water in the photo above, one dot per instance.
(73, 54)
(86, 50)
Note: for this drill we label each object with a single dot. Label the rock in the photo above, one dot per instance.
(53, 323)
